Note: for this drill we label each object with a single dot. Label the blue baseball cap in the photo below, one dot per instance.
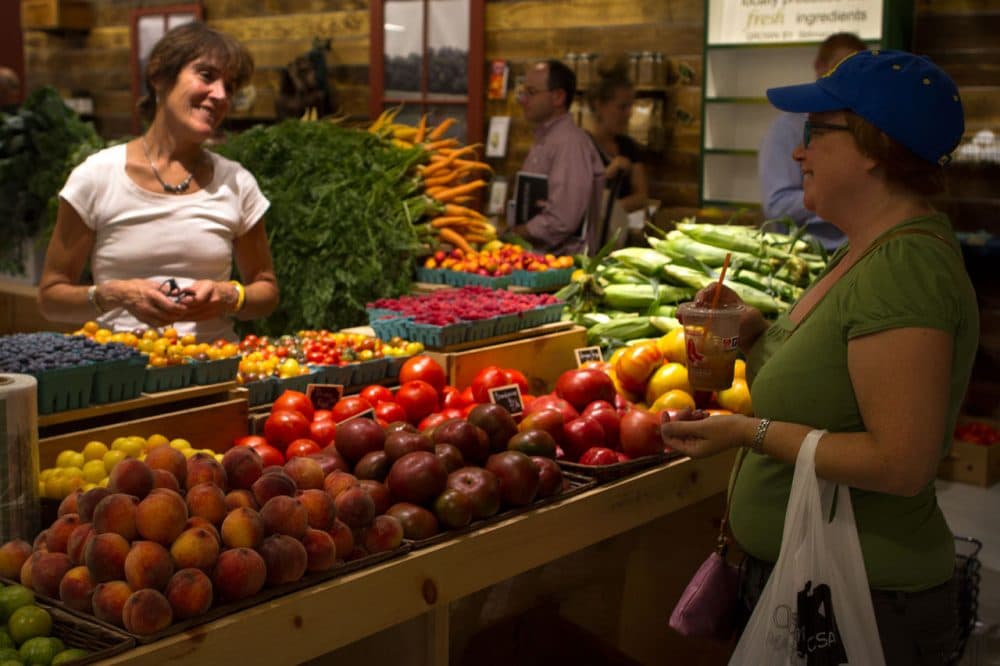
(906, 96)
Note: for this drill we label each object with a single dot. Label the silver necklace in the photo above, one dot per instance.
(167, 187)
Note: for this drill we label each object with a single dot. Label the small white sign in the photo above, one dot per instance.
(496, 138)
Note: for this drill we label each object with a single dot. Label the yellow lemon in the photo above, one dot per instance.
(46, 473)
(736, 398)
(112, 458)
(180, 444)
(188, 452)
(94, 450)
(93, 471)
(72, 480)
(69, 458)
(118, 442)
(667, 377)
(53, 487)
(132, 447)
(672, 347)
(674, 399)
(156, 440)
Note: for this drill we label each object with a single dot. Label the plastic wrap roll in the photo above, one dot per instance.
(19, 507)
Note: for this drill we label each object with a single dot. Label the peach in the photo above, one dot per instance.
(88, 501)
(285, 515)
(78, 541)
(243, 528)
(38, 545)
(321, 551)
(355, 507)
(240, 498)
(70, 503)
(239, 573)
(204, 468)
(148, 565)
(197, 548)
(189, 593)
(161, 516)
(105, 556)
(76, 589)
(116, 513)
(243, 467)
(208, 501)
(109, 601)
(147, 612)
(57, 536)
(272, 485)
(198, 521)
(25, 574)
(167, 459)
(305, 472)
(164, 479)
(337, 482)
(13, 555)
(320, 508)
(285, 558)
(342, 537)
(384, 534)
(132, 477)
(47, 571)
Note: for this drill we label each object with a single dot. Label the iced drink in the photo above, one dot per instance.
(711, 338)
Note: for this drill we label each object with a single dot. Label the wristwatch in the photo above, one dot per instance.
(92, 298)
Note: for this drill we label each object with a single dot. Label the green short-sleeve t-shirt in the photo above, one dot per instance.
(909, 280)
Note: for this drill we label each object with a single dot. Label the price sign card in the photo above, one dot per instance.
(508, 397)
(585, 354)
(324, 396)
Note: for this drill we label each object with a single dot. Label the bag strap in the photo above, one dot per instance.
(722, 542)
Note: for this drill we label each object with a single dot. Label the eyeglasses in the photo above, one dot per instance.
(530, 92)
(811, 125)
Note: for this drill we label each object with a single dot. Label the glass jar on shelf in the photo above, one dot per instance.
(646, 69)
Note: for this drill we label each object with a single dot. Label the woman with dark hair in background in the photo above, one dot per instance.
(611, 102)
(160, 219)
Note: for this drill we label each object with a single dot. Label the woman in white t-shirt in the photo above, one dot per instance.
(160, 219)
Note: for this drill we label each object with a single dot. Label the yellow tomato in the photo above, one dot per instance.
(736, 398)
(156, 440)
(94, 450)
(150, 334)
(740, 369)
(93, 471)
(91, 327)
(180, 444)
(667, 377)
(112, 458)
(170, 332)
(188, 339)
(674, 399)
(671, 346)
(69, 458)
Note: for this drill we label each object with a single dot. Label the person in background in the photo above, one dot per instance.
(878, 352)
(780, 177)
(611, 102)
(10, 90)
(160, 219)
(563, 152)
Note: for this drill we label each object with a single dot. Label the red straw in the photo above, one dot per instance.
(718, 291)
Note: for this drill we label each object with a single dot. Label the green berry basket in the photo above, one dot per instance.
(464, 279)
(548, 279)
(167, 378)
(431, 275)
(215, 372)
(438, 336)
(121, 379)
(296, 383)
(368, 372)
(261, 391)
(62, 389)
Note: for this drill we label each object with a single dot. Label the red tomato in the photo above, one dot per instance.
(425, 369)
(431, 420)
(452, 398)
(467, 396)
(284, 426)
(295, 400)
(418, 398)
(349, 406)
(322, 415)
(323, 431)
(599, 455)
(516, 377)
(249, 440)
(376, 393)
(582, 387)
(489, 377)
(301, 447)
(390, 411)
(269, 455)
(453, 413)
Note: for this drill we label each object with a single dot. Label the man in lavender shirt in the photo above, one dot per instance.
(563, 152)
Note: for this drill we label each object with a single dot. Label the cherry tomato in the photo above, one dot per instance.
(423, 368)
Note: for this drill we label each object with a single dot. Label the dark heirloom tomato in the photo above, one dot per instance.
(425, 369)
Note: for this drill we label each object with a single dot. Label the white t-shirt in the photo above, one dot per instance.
(154, 236)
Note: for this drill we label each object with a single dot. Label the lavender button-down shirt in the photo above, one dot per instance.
(565, 153)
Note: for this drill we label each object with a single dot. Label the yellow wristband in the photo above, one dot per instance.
(241, 295)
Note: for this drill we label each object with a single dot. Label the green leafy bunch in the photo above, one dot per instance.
(337, 225)
(39, 144)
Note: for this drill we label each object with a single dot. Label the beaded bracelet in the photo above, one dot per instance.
(241, 295)
(757, 445)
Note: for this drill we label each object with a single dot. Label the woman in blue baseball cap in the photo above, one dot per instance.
(878, 351)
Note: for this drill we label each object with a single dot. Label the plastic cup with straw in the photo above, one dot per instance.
(711, 338)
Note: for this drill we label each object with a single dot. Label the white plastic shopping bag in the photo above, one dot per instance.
(816, 608)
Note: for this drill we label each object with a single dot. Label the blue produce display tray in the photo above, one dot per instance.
(120, 379)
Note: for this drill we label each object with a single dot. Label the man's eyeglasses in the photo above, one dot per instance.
(811, 125)
(530, 92)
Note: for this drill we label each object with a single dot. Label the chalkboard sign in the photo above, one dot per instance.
(324, 396)
(508, 397)
(367, 414)
(586, 354)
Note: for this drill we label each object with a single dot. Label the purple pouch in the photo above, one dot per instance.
(707, 607)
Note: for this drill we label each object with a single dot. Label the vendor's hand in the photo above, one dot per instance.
(143, 299)
(208, 299)
(709, 436)
(618, 164)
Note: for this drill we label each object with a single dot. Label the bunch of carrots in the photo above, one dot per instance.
(451, 176)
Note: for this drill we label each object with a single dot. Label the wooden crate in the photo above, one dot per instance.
(972, 463)
(57, 14)
(212, 426)
(541, 358)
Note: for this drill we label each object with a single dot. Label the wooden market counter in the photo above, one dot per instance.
(651, 509)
